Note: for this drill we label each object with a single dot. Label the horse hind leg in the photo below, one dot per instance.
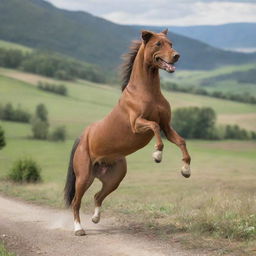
(110, 178)
(84, 178)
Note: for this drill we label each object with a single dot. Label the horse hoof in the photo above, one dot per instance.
(185, 171)
(96, 219)
(157, 156)
(80, 232)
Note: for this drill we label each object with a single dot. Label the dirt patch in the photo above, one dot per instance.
(34, 230)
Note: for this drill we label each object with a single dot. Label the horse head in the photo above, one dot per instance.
(158, 50)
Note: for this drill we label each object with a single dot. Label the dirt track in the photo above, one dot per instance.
(31, 230)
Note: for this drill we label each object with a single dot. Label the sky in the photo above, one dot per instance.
(166, 12)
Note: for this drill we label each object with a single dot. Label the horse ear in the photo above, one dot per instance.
(146, 35)
(165, 31)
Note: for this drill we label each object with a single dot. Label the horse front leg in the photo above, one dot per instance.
(141, 126)
(175, 138)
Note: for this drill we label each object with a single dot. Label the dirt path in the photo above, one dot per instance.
(31, 230)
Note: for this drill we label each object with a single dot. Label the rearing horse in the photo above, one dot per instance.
(140, 114)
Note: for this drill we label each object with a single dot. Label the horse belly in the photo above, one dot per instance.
(114, 140)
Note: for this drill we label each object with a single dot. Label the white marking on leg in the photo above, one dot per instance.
(185, 170)
(77, 226)
(157, 155)
(96, 215)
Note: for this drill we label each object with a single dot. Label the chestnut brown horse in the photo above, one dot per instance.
(140, 114)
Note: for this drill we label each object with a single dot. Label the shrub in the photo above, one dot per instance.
(25, 170)
(2, 138)
(59, 134)
(40, 129)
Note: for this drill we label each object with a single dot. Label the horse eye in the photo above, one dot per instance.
(158, 43)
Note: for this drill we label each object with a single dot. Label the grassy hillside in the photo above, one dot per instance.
(210, 81)
(154, 198)
(81, 35)
(19, 88)
(10, 45)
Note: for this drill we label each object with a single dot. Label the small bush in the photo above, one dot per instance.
(25, 170)
(39, 129)
(59, 134)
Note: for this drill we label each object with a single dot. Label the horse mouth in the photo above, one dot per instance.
(169, 67)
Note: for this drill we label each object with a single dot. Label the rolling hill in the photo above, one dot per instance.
(38, 24)
(88, 102)
(233, 35)
(239, 79)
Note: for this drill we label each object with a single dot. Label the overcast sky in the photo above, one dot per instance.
(166, 12)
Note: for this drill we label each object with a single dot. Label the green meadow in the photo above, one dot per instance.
(217, 205)
(194, 78)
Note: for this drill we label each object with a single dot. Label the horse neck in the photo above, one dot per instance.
(144, 77)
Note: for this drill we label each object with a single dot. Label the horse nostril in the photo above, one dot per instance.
(176, 56)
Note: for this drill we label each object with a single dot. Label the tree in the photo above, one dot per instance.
(8, 112)
(40, 129)
(205, 122)
(194, 122)
(42, 113)
(40, 125)
(2, 138)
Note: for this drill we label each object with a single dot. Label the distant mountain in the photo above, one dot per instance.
(39, 24)
(229, 36)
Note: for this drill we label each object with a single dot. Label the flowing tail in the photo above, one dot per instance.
(69, 190)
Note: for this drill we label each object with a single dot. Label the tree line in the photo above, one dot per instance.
(50, 64)
(248, 76)
(39, 121)
(244, 97)
(200, 123)
(53, 88)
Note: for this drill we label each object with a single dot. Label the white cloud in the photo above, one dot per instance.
(166, 12)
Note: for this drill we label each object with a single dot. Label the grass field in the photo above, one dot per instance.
(217, 205)
(194, 78)
(88, 102)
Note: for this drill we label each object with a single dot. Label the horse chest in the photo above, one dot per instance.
(151, 111)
